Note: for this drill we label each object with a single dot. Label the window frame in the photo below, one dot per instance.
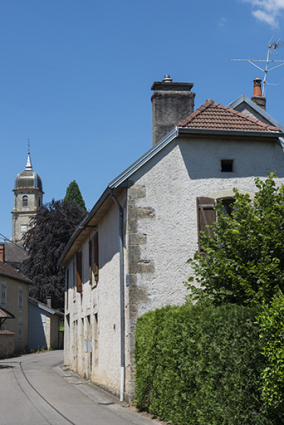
(3, 286)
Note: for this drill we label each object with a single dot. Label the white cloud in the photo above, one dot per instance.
(222, 21)
(267, 11)
(265, 17)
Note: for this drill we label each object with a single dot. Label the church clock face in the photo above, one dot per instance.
(24, 228)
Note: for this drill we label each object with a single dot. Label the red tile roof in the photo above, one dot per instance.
(215, 116)
(9, 271)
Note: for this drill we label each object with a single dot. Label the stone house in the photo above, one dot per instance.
(129, 255)
(14, 301)
(44, 326)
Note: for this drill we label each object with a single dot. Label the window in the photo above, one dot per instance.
(79, 271)
(206, 215)
(20, 298)
(3, 294)
(228, 205)
(227, 165)
(25, 201)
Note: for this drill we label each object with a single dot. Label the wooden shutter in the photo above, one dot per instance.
(206, 215)
(90, 262)
(79, 271)
(67, 289)
(96, 256)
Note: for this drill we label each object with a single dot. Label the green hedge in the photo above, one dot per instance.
(197, 365)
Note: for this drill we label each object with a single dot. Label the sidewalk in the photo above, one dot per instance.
(103, 398)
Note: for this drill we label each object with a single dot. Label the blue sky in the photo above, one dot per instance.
(76, 79)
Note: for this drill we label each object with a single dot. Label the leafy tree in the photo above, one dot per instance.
(243, 262)
(73, 194)
(54, 223)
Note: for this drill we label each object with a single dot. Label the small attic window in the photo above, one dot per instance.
(227, 165)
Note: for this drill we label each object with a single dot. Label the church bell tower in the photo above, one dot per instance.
(28, 196)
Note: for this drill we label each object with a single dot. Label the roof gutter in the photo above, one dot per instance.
(236, 133)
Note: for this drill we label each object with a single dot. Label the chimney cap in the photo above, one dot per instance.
(167, 84)
(167, 79)
(258, 97)
(257, 87)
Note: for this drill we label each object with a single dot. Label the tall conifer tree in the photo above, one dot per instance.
(73, 194)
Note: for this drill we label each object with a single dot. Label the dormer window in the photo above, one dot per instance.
(227, 165)
(25, 201)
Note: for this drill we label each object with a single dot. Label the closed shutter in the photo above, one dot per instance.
(206, 215)
(79, 271)
(90, 262)
(96, 256)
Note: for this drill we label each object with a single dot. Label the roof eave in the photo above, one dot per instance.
(24, 280)
(87, 225)
(231, 133)
(119, 182)
(121, 178)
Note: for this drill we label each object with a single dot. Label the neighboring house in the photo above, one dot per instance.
(15, 255)
(14, 300)
(129, 255)
(44, 326)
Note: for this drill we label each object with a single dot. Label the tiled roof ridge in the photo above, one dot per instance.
(11, 272)
(197, 112)
(210, 103)
(249, 118)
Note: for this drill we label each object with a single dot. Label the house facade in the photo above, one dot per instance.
(129, 255)
(14, 299)
(44, 326)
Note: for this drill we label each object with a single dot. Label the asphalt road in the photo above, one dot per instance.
(34, 390)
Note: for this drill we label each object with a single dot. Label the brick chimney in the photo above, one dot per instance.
(2, 252)
(171, 103)
(257, 97)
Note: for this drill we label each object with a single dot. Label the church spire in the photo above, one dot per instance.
(29, 162)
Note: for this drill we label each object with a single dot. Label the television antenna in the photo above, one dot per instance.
(272, 45)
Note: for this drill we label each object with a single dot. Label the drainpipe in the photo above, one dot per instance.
(122, 325)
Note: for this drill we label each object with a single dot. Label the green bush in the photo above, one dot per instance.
(271, 322)
(244, 261)
(201, 365)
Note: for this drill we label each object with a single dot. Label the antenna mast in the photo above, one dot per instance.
(272, 45)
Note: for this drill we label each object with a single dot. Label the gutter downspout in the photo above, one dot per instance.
(122, 320)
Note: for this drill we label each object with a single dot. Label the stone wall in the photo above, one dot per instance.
(6, 344)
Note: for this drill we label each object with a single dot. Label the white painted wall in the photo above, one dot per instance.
(173, 180)
(102, 300)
